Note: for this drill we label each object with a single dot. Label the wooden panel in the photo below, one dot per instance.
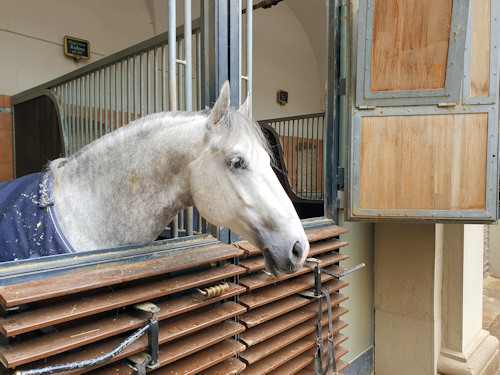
(284, 289)
(262, 279)
(313, 235)
(276, 326)
(49, 345)
(258, 263)
(480, 48)
(285, 355)
(205, 359)
(74, 309)
(288, 337)
(410, 44)
(109, 274)
(272, 310)
(228, 367)
(428, 162)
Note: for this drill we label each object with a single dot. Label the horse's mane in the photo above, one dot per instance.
(234, 126)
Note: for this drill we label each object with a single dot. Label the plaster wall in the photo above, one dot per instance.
(404, 299)
(32, 32)
(495, 250)
(360, 290)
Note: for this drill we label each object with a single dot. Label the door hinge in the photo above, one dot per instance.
(342, 86)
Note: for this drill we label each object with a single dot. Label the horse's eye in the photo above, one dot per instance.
(237, 162)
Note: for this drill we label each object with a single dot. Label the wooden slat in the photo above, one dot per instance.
(288, 337)
(203, 360)
(326, 232)
(46, 346)
(313, 235)
(295, 365)
(110, 274)
(228, 367)
(272, 310)
(262, 279)
(284, 289)
(285, 355)
(109, 300)
(257, 263)
(276, 326)
(341, 365)
(217, 351)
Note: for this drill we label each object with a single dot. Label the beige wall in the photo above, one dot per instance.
(495, 250)
(32, 32)
(360, 290)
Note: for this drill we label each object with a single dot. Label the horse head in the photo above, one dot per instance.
(233, 184)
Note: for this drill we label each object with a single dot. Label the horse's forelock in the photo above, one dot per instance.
(235, 126)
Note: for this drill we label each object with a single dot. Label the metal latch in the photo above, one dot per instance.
(318, 293)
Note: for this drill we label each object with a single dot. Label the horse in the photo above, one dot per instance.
(127, 186)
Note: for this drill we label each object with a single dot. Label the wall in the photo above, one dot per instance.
(283, 58)
(32, 32)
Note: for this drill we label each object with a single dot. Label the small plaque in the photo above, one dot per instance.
(77, 48)
(282, 97)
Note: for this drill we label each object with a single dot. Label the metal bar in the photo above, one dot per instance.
(172, 90)
(249, 47)
(116, 118)
(188, 57)
(141, 90)
(155, 80)
(148, 80)
(122, 84)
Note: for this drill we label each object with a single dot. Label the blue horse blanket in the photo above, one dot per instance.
(28, 224)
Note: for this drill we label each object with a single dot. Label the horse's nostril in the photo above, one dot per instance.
(297, 250)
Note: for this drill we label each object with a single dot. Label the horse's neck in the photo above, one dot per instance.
(128, 188)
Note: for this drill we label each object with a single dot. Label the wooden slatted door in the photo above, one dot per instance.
(259, 325)
(281, 324)
(85, 315)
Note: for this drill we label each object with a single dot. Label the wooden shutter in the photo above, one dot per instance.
(260, 324)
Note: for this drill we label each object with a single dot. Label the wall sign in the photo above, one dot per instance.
(77, 48)
(282, 97)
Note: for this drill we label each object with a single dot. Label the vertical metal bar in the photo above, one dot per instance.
(87, 110)
(148, 79)
(129, 91)
(135, 98)
(141, 91)
(116, 118)
(172, 92)
(222, 57)
(198, 72)
(156, 79)
(249, 47)
(105, 107)
(188, 84)
(330, 138)
(234, 52)
(164, 78)
(122, 84)
(188, 75)
(80, 113)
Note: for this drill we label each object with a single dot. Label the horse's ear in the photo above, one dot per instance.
(246, 107)
(222, 104)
